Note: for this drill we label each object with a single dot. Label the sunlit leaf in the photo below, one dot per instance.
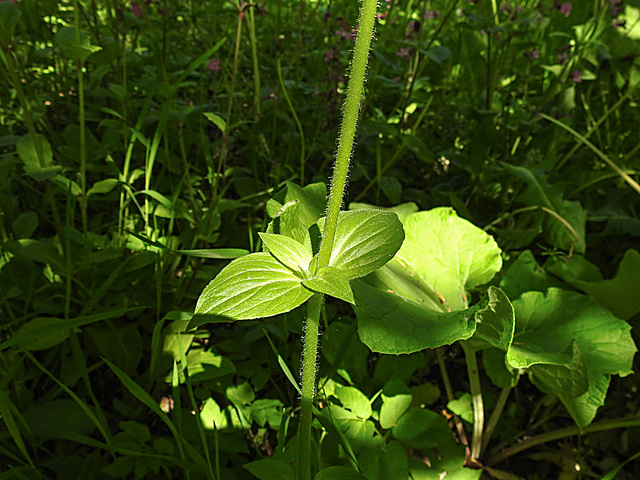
(331, 281)
(449, 254)
(288, 251)
(253, 286)
(365, 240)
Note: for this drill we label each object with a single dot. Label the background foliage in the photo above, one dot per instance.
(145, 144)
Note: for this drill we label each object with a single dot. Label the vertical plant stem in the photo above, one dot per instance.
(476, 398)
(79, 64)
(314, 306)
(340, 173)
(348, 128)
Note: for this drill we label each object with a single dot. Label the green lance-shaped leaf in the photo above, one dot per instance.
(290, 252)
(253, 286)
(365, 240)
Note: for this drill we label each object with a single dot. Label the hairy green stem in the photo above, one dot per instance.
(348, 128)
(314, 306)
(334, 204)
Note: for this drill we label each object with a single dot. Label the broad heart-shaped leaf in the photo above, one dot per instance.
(331, 281)
(449, 254)
(553, 331)
(290, 252)
(365, 240)
(253, 286)
(391, 323)
(621, 294)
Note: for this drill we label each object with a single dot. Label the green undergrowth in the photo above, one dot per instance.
(164, 172)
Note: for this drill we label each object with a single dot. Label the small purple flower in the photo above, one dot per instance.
(136, 9)
(565, 8)
(576, 76)
(403, 52)
(213, 65)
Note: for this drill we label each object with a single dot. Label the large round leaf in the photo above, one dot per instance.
(449, 253)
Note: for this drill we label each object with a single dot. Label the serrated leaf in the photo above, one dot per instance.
(365, 240)
(77, 49)
(331, 281)
(288, 251)
(253, 286)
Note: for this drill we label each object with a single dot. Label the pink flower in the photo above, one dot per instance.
(135, 8)
(576, 76)
(565, 8)
(404, 52)
(213, 65)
